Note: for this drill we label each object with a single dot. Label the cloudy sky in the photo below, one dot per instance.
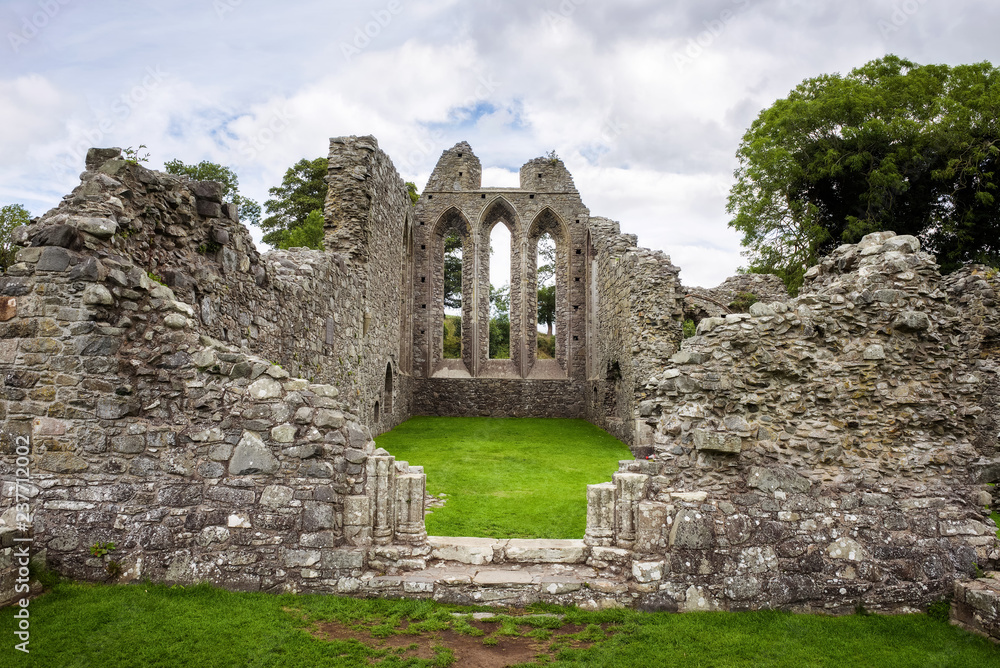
(644, 100)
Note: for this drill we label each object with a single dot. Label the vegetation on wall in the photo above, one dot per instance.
(893, 145)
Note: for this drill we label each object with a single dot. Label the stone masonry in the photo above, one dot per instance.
(210, 409)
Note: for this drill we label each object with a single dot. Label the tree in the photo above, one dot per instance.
(546, 273)
(500, 322)
(307, 235)
(452, 271)
(411, 190)
(11, 216)
(249, 210)
(302, 191)
(891, 146)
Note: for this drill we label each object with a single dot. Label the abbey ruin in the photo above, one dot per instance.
(211, 409)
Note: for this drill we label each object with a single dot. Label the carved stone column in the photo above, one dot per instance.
(410, 506)
(382, 491)
(600, 514)
(630, 489)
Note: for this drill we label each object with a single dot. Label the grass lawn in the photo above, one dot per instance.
(507, 477)
(155, 626)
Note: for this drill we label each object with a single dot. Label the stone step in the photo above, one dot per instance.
(480, 551)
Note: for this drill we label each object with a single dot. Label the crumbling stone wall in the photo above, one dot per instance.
(817, 453)
(725, 298)
(633, 306)
(200, 458)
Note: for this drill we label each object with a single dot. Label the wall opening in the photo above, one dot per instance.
(500, 254)
(452, 340)
(377, 415)
(545, 338)
(387, 393)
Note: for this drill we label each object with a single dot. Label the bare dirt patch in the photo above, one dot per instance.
(498, 651)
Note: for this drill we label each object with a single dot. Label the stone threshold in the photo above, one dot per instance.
(480, 551)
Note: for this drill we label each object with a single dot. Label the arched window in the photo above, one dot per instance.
(546, 273)
(452, 339)
(500, 253)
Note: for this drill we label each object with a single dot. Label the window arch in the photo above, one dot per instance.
(548, 224)
(499, 313)
(450, 312)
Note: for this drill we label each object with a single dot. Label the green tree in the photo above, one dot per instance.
(307, 235)
(302, 191)
(452, 271)
(249, 210)
(500, 322)
(546, 274)
(11, 216)
(411, 190)
(891, 146)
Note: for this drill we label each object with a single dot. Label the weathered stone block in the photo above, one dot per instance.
(691, 529)
(252, 456)
(717, 441)
(276, 496)
(318, 515)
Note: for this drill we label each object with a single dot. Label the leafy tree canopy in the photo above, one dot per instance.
(302, 191)
(891, 146)
(249, 210)
(11, 216)
(411, 190)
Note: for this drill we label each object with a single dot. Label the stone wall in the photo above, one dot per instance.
(633, 306)
(821, 452)
(200, 457)
(500, 397)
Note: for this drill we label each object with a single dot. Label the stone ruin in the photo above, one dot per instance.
(210, 409)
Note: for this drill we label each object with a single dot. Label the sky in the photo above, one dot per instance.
(645, 101)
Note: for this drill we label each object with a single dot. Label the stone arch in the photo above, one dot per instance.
(452, 220)
(547, 221)
(500, 211)
(387, 391)
(406, 298)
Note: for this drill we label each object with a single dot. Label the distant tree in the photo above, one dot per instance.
(307, 235)
(453, 271)
(302, 191)
(547, 307)
(546, 273)
(411, 189)
(891, 146)
(500, 322)
(249, 210)
(11, 216)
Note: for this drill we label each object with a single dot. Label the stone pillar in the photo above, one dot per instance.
(382, 491)
(410, 507)
(630, 489)
(357, 521)
(600, 514)
(650, 530)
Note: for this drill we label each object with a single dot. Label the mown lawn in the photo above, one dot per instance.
(155, 626)
(507, 477)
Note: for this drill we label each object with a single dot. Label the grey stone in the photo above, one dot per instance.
(912, 321)
(691, 529)
(717, 441)
(769, 479)
(102, 228)
(252, 457)
(53, 259)
(317, 516)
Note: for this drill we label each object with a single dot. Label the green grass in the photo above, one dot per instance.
(507, 477)
(154, 626)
